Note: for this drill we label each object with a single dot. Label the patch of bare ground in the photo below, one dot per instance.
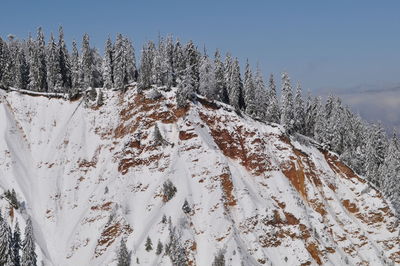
(236, 145)
(340, 168)
(184, 135)
(109, 234)
(227, 188)
(312, 248)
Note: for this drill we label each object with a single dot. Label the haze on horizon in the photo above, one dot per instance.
(341, 47)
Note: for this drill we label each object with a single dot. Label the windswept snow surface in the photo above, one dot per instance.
(88, 176)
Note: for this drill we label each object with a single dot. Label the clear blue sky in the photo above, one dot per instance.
(322, 44)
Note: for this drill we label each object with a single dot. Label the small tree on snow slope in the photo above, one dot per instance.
(28, 248)
(148, 245)
(123, 254)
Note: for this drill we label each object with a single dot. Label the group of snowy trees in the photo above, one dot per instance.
(50, 67)
(34, 65)
(14, 251)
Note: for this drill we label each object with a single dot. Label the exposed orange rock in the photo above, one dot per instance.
(108, 236)
(312, 248)
(104, 207)
(227, 187)
(351, 207)
(183, 135)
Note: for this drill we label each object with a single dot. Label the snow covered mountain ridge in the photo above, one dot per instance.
(206, 183)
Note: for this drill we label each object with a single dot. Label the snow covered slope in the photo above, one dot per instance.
(90, 176)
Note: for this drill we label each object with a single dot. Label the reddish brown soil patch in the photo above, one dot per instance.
(235, 145)
(340, 168)
(291, 219)
(227, 187)
(351, 207)
(183, 135)
(108, 236)
(296, 176)
(314, 252)
(104, 207)
(318, 206)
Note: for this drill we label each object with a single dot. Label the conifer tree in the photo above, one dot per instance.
(261, 96)
(76, 70)
(131, 69)
(123, 255)
(234, 83)
(120, 62)
(390, 171)
(186, 207)
(273, 111)
(108, 64)
(220, 86)
(159, 248)
(41, 60)
(28, 247)
(22, 70)
(287, 117)
(146, 66)
(148, 245)
(33, 62)
(179, 64)
(299, 114)
(192, 57)
(7, 66)
(87, 63)
(54, 77)
(3, 60)
(207, 84)
(249, 91)
(6, 253)
(375, 154)
(63, 60)
(16, 245)
(186, 89)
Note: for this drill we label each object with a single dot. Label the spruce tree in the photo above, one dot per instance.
(220, 85)
(234, 83)
(186, 89)
(22, 70)
(28, 247)
(123, 255)
(54, 77)
(108, 67)
(120, 62)
(299, 114)
(148, 245)
(63, 60)
(273, 111)
(249, 91)
(6, 252)
(16, 245)
(41, 60)
(261, 96)
(146, 66)
(207, 83)
(7, 64)
(375, 154)
(390, 171)
(192, 58)
(33, 62)
(179, 64)
(287, 116)
(76, 70)
(159, 248)
(87, 63)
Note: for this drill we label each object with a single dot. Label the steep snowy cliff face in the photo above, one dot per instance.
(91, 176)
